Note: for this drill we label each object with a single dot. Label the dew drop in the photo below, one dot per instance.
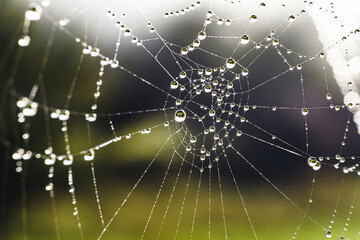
(50, 160)
(245, 72)
(127, 32)
(68, 161)
(34, 12)
(64, 22)
(304, 111)
(30, 109)
(184, 51)
(207, 88)
(174, 85)
(208, 71)
(182, 75)
(27, 155)
(201, 35)
(312, 161)
(49, 187)
(91, 117)
(89, 155)
(245, 39)
(114, 63)
(230, 63)
(317, 166)
(178, 102)
(95, 52)
(291, 18)
(180, 115)
(64, 115)
(328, 234)
(253, 18)
(328, 96)
(196, 43)
(24, 41)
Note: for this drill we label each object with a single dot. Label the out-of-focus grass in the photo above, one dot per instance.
(120, 165)
(272, 215)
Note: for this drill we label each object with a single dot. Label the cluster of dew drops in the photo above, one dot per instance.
(28, 108)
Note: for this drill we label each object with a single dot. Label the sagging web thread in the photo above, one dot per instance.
(216, 100)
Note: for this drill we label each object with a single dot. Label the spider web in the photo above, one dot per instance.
(216, 119)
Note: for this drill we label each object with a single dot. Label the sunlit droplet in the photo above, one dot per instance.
(193, 139)
(114, 63)
(34, 12)
(328, 234)
(174, 85)
(68, 161)
(184, 51)
(312, 161)
(291, 18)
(275, 42)
(245, 39)
(182, 75)
(245, 72)
(253, 18)
(317, 166)
(24, 41)
(201, 35)
(64, 115)
(89, 155)
(63, 22)
(230, 63)
(304, 111)
(95, 52)
(91, 117)
(328, 96)
(180, 115)
(207, 88)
